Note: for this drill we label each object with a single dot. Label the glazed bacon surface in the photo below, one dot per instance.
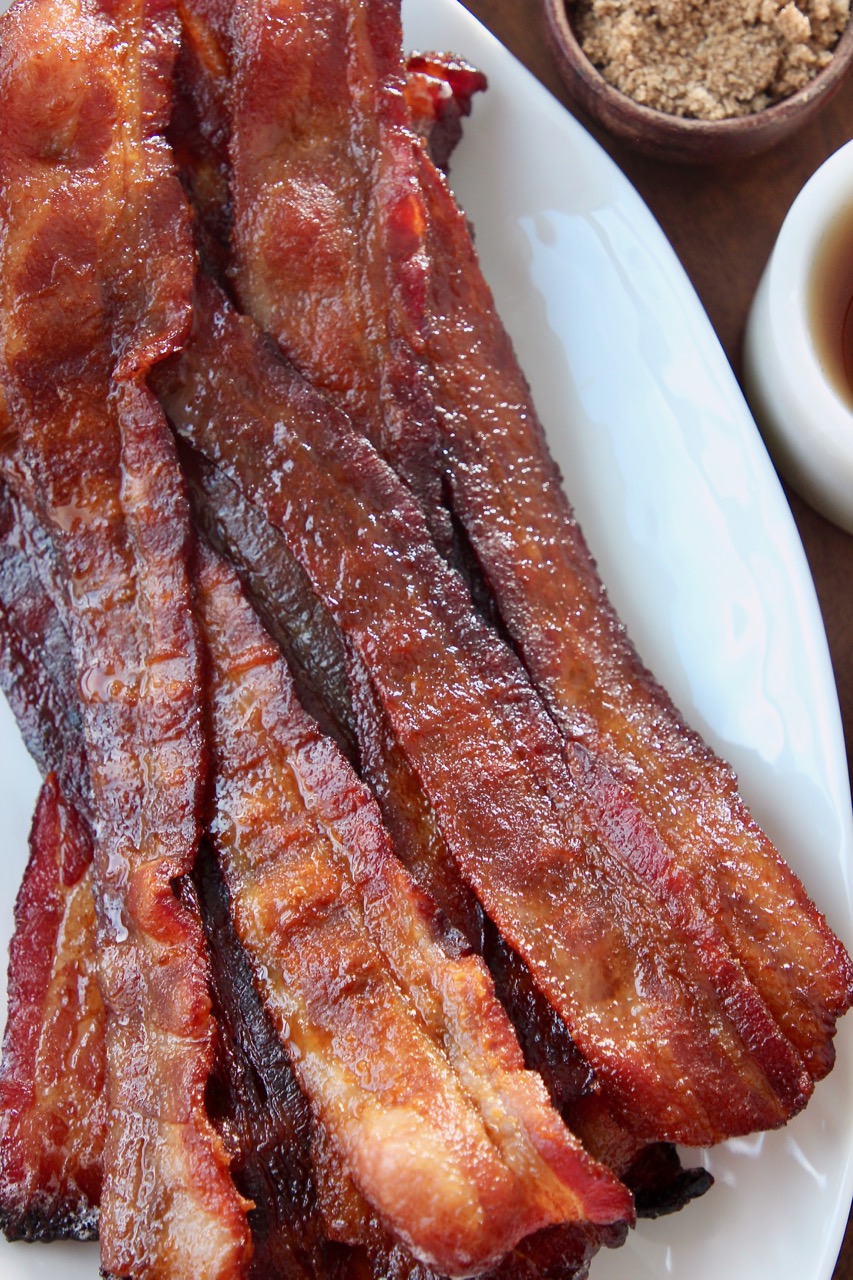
(407, 1059)
(628, 981)
(96, 260)
(528, 554)
(288, 1018)
(326, 963)
(628, 748)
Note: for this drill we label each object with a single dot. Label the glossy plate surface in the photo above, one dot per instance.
(696, 543)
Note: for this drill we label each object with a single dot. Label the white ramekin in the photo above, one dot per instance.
(806, 424)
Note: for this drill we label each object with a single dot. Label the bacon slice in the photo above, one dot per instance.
(270, 1172)
(266, 566)
(257, 37)
(52, 1113)
(260, 1110)
(53, 1127)
(96, 261)
(407, 1059)
(629, 749)
(266, 1143)
(309, 226)
(628, 975)
(37, 668)
(439, 90)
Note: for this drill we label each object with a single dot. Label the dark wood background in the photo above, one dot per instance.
(722, 221)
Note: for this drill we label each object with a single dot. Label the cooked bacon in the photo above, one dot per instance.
(642, 770)
(439, 89)
(52, 1112)
(304, 1202)
(96, 264)
(309, 225)
(260, 1110)
(264, 1139)
(629, 976)
(53, 1129)
(250, 1130)
(406, 1057)
(258, 171)
(37, 668)
(630, 749)
(655, 1175)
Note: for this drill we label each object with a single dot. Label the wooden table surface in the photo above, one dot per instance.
(722, 222)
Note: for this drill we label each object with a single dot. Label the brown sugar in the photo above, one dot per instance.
(709, 58)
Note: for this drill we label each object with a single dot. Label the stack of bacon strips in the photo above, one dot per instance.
(382, 917)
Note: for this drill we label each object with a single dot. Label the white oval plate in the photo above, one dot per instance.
(694, 538)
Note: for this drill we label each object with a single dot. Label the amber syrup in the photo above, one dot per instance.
(830, 305)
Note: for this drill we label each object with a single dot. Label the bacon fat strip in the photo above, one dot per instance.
(96, 262)
(630, 750)
(628, 976)
(402, 1049)
(52, 1113)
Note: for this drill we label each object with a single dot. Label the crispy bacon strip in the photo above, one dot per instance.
(630, 748)
(642, 768)
(629, 975)
(265, 1139)
(322, 245)
(256, 48)
(405, 1055)
(266, 566)
(37, 668)
(439, 89)
(257, 1104)
(53, 1128)
(52, 1112)
(51, 1084)
(96, 262)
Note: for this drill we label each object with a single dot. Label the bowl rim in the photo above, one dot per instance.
(755, 123)
(806, 420)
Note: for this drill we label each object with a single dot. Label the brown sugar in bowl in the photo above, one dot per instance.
(679, 138)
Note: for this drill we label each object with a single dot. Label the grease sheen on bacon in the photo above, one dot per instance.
(266, 1125)
(407, 1059)
(96, 267)
(628, 975)
(52, 1114)
(628, 747)
(278, 589)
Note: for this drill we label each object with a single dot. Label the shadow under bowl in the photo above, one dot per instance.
(682, 139)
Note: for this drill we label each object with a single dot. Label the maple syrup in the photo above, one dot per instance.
(830, 304)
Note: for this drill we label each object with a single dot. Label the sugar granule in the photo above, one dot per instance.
(711, 59)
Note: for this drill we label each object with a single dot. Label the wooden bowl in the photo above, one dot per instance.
(675, 138)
